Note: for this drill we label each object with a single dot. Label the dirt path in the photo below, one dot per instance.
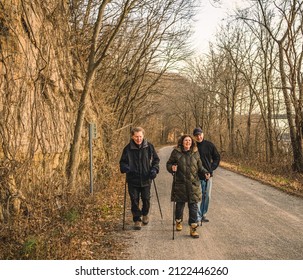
(248, 220)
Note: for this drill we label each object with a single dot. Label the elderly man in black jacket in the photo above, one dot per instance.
(210, 159)
(140, 162)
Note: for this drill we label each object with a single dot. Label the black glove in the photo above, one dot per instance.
(153, 173)
(124, 169)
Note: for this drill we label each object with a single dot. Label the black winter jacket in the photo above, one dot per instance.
(186, 185)
(137, 163)
(209, 155)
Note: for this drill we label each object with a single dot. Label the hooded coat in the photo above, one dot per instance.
(186, 186)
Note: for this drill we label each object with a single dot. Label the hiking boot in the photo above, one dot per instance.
(137, 225)
(204, 219)
(145, 220)
(193, 230)
(178, 225)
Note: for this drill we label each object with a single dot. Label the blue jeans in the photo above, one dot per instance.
(206, 193)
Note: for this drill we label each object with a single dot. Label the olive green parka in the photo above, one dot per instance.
(186, 183)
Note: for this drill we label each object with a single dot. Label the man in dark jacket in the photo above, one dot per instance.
(140, 162)
(210, 159)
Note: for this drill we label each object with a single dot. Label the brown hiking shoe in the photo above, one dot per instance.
(178, 225)
(137, 225)
(193, 230)
(145, 220)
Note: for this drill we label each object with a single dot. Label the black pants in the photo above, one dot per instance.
(192, 208)
(135, 193)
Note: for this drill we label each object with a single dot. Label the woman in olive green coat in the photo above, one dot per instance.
(186, 165)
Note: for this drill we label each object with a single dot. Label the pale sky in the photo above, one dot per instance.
(208, 21)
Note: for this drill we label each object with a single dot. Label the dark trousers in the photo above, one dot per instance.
(135, 193)
(192, 215)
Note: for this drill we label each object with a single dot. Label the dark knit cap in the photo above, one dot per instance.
(197, 131)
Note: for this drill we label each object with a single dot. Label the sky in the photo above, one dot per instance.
(208, 19)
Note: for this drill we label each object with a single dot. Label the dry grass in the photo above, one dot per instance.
(87, 227)
(278, 177)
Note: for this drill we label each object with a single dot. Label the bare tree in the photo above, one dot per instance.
(97, 53)
(286, 30)
(256, 64)
(133, 43)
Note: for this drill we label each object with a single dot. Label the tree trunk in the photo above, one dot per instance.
(296, 139)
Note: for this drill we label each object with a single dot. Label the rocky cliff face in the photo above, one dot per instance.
(38, 93)
(37, 82)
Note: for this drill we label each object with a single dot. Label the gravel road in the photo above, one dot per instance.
(248, 221)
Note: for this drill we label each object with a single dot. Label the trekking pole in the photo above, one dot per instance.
(174, 205)
(124, 205)
(158, 199)
(174, 210)
(203, 201)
